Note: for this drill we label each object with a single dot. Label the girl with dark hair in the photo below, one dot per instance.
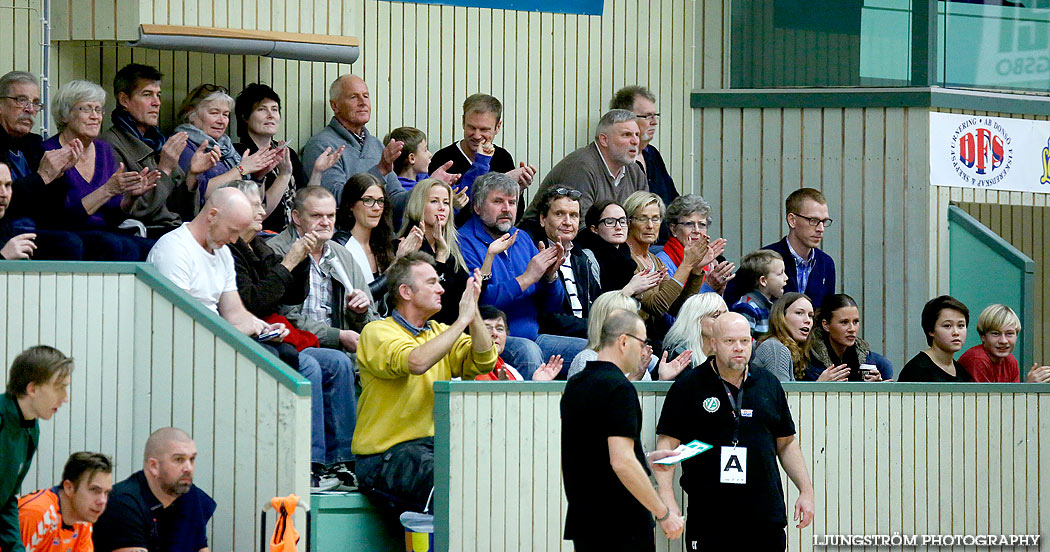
(258, 112)
(944, 320)
(837, 353)
(784, 351)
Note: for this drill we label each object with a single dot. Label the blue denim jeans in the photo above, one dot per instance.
(333, 406)
(526, 355)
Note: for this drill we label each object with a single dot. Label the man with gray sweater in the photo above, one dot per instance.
(603, 169)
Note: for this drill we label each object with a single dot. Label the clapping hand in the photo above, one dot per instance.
(171, 151)
(670, 370)
(412, 241)
(548, 370)
(443, 175)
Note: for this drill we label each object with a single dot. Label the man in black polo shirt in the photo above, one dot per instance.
(159, 508)
(611, 501)
(737, 497)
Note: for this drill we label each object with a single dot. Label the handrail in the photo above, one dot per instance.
(449, 387)
(183, 301)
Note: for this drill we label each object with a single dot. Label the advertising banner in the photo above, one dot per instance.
(993, 153)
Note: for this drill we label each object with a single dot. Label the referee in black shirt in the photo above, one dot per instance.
(611, 501)
(736, 497)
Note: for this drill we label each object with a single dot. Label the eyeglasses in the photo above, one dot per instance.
(643, 220)
(650, 116)
(568, 192)
(610, 222)
(24, 102)
(693, 225)
(644, 341)
(814, 221)
(89, 110)
(373, 201)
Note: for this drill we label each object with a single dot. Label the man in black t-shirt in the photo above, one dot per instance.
(605, 472)
(482, 121)
(737, 499)
(158, 509)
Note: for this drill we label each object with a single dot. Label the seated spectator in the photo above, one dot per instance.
(195, 257)
(688, 219)
(482, 121)
(784, 351)
(412, 166)
(606, 304)
(944, 321)
(400, 358)
(762, 272)
(364, 228)
(339, 303)
(158, 507)
(427, 221)
(496, 323)
(258, 112)
(140, 144)
(524, 279)
(837, 353)
(60, 518)
(32, 169)
(991, 360)
(660, 304)
(687, 332)
(94, 197)
(15, 246)
(37, 386)
(603, 169)
(642, 102)
(559, 222)
(265, 282)
(604, 242)
(205, 116)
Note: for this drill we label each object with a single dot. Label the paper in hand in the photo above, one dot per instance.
(684, 452)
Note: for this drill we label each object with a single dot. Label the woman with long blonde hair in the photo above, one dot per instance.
(784, 351)
(427, 225)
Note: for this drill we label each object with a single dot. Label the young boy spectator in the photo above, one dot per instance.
(763, 271)
(59, 519)
(991, 361)
(37, 386)
(413, 164)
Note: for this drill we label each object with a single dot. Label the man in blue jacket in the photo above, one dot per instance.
(522, 280)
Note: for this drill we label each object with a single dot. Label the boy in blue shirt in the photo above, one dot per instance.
(763, 270)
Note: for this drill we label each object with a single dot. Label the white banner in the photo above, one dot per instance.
(994, 153)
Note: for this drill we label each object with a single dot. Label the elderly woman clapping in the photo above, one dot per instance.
(688, 217)
(92, 198)
(209, 155)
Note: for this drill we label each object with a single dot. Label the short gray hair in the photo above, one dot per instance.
(14, 77)
(493, 181)
(612, 117)
(249, 187)
(686, 205)
(69, 95)
(335, 90)
(213, 97)
(618, 323)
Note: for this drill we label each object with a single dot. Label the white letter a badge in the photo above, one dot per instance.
(733, 467)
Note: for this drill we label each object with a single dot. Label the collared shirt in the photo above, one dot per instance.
(318, 304)
(616, 177)
(414, 330)
(569, 280)
(803, 267)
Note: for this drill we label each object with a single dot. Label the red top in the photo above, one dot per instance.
(984, 369)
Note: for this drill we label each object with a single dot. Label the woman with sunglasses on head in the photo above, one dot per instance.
(93, 197)
(258, 111)
(604, 240)
(205, 115)
(785, 350)
(837, 353)
(687, 219)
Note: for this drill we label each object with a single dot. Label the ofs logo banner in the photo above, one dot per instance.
(994, 153)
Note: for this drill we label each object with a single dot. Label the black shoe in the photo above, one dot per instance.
(321, 480)
(344, 472)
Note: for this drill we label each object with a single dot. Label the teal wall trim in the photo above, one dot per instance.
(942, 98)
(442, 389)
(984, 269)
(442, 469)
(183, 301)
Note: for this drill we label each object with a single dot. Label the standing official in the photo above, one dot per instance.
(737, 499)
(605, 471)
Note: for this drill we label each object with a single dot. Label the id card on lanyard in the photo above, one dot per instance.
(733, 466)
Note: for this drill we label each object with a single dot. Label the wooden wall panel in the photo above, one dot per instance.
(142, 364)
(882, 463)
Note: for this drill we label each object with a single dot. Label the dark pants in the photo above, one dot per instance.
(708, 537)
(402, 478)
(101, 245)
(636, 543)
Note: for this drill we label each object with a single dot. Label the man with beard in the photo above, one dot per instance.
(603, 169)
(158, 508)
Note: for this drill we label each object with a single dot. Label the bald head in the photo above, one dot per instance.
(225, 216)
(732, 342)
(351, 103)
(160, 442)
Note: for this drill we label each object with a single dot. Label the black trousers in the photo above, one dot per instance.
(614, 543)
(710, 537)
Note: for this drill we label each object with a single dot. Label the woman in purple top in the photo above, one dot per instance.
(92, 197)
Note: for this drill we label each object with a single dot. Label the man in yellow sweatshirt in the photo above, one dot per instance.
(400, 357)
